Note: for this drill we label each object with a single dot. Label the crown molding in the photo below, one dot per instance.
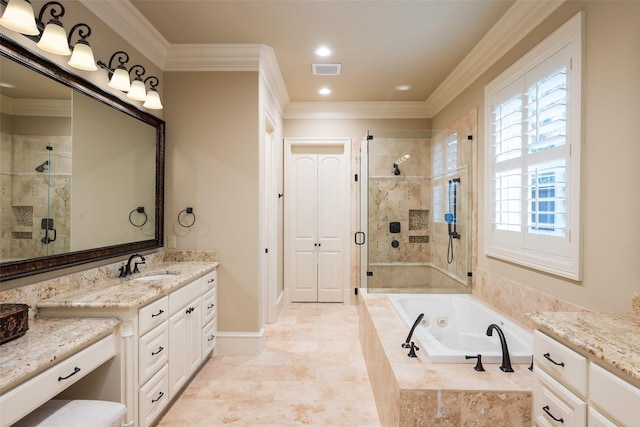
(357, 110)
(126, 20)
(213, 57)
(35, 107)
(512, 27)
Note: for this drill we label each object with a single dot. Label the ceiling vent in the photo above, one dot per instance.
(326, 69)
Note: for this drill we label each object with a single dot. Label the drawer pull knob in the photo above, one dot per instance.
(211, 280)
(210, 306)
(75, 371)
(548, 357)
(546, 411)
(157, 398)
(153, 353)
(190, 310)
(212, 337)
(158, 313)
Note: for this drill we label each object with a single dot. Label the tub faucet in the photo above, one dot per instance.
(406, 344)
(127, 270)
(506, 362)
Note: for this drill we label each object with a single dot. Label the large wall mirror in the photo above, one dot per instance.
(81, 171)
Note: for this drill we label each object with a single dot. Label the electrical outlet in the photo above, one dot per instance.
(171, 242)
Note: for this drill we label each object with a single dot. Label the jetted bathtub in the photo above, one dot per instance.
(455, 326)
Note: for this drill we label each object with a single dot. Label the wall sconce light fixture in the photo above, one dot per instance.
(119, 76)
(19, 16)
(53, 38)
(138, 90)
(152, 101)
(82, 55)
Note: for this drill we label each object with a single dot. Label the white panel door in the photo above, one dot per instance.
(330, 227)
(316, 217)
(303, 192)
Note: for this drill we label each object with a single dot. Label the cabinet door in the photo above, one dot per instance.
(185, 345)
(178, 338)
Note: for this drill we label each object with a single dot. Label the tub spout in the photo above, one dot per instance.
(506, 362)
(406, 344)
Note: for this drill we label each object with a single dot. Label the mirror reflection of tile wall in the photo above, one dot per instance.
(29, 196)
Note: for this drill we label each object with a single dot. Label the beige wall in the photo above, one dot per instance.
(610, 155)
(212, 165)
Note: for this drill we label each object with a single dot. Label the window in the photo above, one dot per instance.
(532, 157)
(444, 163)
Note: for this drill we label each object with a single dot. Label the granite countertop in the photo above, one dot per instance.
(47, 342)
(613, 339)
(127, 293)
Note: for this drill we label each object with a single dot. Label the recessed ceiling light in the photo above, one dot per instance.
(403, 88)
(324, 91)
(323, 51)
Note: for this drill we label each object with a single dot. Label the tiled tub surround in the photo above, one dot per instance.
(415, 392)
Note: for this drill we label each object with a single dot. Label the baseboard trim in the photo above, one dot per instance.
(240, 343)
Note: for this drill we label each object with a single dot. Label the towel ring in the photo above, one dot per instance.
(139, 209)
(188, 211)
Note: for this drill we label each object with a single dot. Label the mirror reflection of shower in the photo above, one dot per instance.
(401, 160)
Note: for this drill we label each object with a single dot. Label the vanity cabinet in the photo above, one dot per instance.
(162, 342)
(572, 390)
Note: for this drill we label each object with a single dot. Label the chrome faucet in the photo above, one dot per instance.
(506, 362)
(127, 269)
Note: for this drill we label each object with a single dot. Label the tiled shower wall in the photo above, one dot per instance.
(28, 196)
(409, 198)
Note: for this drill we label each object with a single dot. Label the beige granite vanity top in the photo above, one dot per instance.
(47, 342)
(127, 293)
(613, 339)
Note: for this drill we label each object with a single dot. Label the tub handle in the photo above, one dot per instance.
(548, 357)
(546, 410)
(478, 366)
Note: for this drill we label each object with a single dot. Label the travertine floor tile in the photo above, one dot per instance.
(312, 374)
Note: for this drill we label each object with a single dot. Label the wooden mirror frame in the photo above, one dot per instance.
(32, 266)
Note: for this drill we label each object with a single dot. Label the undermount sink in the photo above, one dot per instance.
(160, 276)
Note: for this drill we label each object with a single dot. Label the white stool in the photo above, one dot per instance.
(75, 413)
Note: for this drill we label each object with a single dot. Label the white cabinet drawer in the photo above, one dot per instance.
(152, 315)
(562, 363)
(209, 281)
(596, 419)
(208, 306)
(19, 401)
(208, 339)
(614, 396)
(153, 397)
(555, 405)
(183, 296)
(153, 351)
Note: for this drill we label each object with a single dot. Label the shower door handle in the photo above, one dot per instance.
(355, 238)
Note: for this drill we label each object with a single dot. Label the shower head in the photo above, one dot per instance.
(43, 166)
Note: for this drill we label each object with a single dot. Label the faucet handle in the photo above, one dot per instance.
(478, 366)
(123, 271)
(414, 348)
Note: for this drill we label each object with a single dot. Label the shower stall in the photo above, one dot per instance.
(415, 204)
